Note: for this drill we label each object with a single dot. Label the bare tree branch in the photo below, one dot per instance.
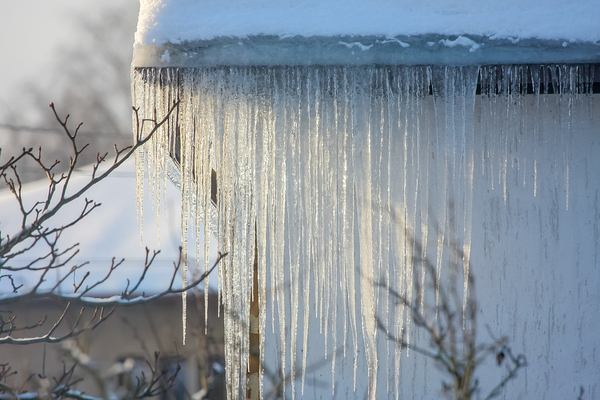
(35, 232)
(33, 229)
(125, 299)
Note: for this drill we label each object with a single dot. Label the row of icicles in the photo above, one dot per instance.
(331, 176)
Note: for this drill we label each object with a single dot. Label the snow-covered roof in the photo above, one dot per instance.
(284, 32)
(112, 230)
(174, 21)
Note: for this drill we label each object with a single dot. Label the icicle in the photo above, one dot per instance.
(415, 102)
(439, 83)
(362, 140)
(308, 139)
(349, 211)
(186, 152)
(264, 175)
(332, 167)
(535, 82)
(469, 85)
(386, 134)
(139, 92)
(294, 217)
(279, 116)
(280, 190)
(423, 89)
(569, 81)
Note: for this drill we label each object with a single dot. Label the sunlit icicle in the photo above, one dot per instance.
(322, 263)
(469, 85)
(264, 169)
(349, 210)
(386, 133)
(139, 92)
(507, 75)
(294, 222)
(203, 138)
(281, 194)
(232, 368)
(251, 212)
(333, 143)
(438, 84)
(535, 82)
(397, 189)
(424, 169)
(186, 152)
(571, 75)
(362, 163)
(277, 123)
(376, 105)
(410, 132)
(415, 127)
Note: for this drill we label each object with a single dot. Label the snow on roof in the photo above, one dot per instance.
(112, 230)
(176, 21)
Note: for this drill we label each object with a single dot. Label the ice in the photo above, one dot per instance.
(394, 40)
(356, 44)
(333, 176)
(461, 41)
(355, 49)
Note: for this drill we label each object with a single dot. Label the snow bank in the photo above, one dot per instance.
(177, 21)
